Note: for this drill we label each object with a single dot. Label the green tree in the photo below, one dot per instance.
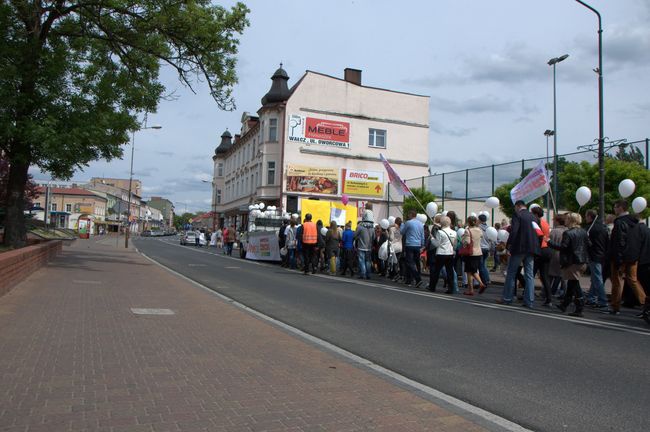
(586, 174)
(630, 153)
(75, 74)
(423, 195)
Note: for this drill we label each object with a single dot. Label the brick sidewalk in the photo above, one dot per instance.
(75, 358)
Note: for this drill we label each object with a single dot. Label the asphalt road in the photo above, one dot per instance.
(540, 369)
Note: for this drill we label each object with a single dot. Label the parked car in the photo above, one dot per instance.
(146, 233)
(188, 238)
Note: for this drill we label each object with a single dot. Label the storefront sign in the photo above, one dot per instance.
(312, 179)
(310, 130)
(367, 183)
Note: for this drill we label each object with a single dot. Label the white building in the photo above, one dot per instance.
(321, 140)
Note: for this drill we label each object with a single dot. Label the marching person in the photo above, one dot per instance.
(598, 239)
(473, 236)
(523, 245)
(309, 245)
(573, 259)
(446, 242)
(624, 265)
(413, 233)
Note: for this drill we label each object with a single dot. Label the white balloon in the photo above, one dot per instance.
(502, 236)
(261, 205)
(492, 202)
(432, 209)
(473, 214)
(492, 234)
(296, 216)
(532, 206)
(639, 204)
(460, 232)
(421, 217)
(391, 220)
(384, 223)
(626, 188)
(250, 207)
(486, 213)
(583, 195)
(323, 231)
(444, 213)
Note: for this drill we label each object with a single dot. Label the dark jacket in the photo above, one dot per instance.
(523, 238)
(573, 248)
(618, 240)
(638, 245)
(598, 239)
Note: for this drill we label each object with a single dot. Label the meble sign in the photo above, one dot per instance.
(311, 130)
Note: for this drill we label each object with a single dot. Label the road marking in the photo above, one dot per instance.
(197, 265)
(151, 311)
(446, 297)
(479, 412)
(232, 267)
(87, 282)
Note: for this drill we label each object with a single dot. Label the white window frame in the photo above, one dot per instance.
(372, 138)
(68, 208)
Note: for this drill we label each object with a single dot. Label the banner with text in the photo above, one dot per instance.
(367, 183)
(533, 186)
(263, 246)
(310, 130)
(308, 179)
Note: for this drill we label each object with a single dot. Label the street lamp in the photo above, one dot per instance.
(601, 127)
(128, 217)
(552, 62)
(548, 133)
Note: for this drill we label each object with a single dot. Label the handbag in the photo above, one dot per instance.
(467, 249)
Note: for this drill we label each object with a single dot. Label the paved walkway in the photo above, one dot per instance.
(75, 357)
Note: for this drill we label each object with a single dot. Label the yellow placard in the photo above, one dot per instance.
(322, 210)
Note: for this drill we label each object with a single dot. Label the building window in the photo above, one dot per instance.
(273, 129)
(218, 196)
(37, 205)
(220, 169)
(68, 208)
(377, 138)
(53, 207)
(270, 173)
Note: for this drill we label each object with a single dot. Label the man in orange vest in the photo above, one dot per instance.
(309, 241)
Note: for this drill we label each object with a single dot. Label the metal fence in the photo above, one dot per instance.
(467, 189)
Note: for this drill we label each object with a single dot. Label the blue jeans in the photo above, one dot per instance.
(483, 271)
(454, 279)
(515, 261)
(412, 255)
(291, 253)
(597, 289)
(364, 263)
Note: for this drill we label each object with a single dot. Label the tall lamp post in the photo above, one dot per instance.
(601, 127)
(128, 217)
(552, 62)
(548, 133)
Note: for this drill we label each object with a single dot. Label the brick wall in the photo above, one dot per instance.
(17, 264)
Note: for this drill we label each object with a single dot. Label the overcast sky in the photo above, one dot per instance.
(483, 63)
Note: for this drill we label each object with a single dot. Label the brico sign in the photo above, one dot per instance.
(367, 183)
(311, 130)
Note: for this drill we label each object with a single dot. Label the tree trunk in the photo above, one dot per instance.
(15, 229)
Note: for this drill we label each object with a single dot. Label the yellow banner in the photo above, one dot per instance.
(322, 210)
(367, 183)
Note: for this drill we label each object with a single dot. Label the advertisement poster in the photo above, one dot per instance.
(367, 183)
(263, 246)
(311, 130)
(312, 179)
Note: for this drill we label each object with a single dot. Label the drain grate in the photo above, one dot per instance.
(150, 311)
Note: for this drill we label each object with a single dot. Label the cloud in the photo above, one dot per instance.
(164, 153)
(450, 131)
(624, 47)
(481, 104)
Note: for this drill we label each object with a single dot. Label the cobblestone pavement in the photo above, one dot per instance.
(75, 357)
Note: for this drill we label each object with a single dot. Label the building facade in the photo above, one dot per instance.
(321, 140)
(67, 205)
(166, 210)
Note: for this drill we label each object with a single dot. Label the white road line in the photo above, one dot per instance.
(511, 308)
(479, 412)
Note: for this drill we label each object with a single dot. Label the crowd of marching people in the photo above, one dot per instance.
(458, 252)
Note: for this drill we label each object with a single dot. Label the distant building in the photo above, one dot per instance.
(166, 209)
(319, 140)
(67, 205)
